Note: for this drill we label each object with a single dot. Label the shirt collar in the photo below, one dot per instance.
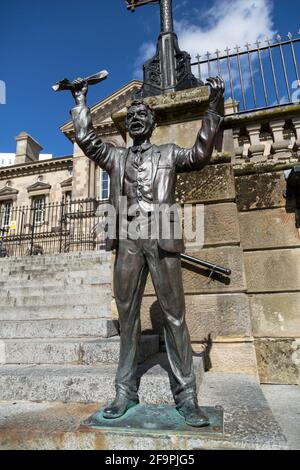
(145, 146)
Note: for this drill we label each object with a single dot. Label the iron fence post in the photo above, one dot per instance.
(62, 205)
(32, 231)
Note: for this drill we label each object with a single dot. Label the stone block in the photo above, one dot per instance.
(278, 360)
(221, 224)
(212, 315)
(238, 358)
(182, 133)
(260, 191)
(273, 270)
(196, 279)
(213, 184)
(270, 228)
(275, 315)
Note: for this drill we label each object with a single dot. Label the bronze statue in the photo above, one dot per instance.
(146, 175)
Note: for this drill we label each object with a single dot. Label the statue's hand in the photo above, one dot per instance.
(217, 88)
(80, 91)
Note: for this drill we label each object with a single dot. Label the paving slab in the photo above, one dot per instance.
(284, 401)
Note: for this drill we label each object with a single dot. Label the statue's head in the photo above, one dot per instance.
(140, 120)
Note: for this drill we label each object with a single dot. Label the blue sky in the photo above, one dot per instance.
(42, 41)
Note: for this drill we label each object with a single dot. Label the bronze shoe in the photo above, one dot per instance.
(193, 414)
(118, 407)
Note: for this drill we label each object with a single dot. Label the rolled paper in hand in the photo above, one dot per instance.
(92, 80)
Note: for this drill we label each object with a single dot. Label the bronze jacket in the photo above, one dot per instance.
(168, 160)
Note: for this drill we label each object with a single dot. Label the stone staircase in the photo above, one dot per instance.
(57, 339)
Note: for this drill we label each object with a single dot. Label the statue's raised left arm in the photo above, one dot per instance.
(199, 155)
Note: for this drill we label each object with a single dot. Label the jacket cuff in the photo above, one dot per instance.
(214, 113)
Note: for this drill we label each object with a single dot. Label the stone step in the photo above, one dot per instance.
(76, 257)
(15, 268)
(58, 262)
(56, 290)
(43, 270)
(57, 328)
(94, 297)
(63, 282)
(64, 312)
(33, 274)
(103, 275)
(70, 351)
(52, 270)
(84, 384)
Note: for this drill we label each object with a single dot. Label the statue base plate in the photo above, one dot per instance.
(156, 419)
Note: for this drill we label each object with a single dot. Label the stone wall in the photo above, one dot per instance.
(271, 244)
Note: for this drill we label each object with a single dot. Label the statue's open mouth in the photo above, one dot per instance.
(136, 126)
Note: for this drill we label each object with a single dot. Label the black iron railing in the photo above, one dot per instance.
(53, 228)
(257, 76)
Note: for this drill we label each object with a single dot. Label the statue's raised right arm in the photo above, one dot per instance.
(91, 144)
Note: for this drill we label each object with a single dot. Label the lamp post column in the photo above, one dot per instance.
(167, 47)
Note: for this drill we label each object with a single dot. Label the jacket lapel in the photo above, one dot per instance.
(155, 159)
(123, 160)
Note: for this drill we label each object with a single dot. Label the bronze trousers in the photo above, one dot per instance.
(134, 260)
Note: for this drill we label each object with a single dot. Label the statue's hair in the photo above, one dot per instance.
(138, 102)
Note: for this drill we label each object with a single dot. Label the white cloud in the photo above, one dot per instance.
(146, 51)
(226, 23)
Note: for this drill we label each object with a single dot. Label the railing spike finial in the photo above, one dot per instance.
(237, 48)
(279, 38)
(290, 36)
(258, 43)
(248, 45)
(227, 50)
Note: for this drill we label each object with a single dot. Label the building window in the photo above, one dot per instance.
(104, 184)
(6, 210)
(39, 209)
(68, 197)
